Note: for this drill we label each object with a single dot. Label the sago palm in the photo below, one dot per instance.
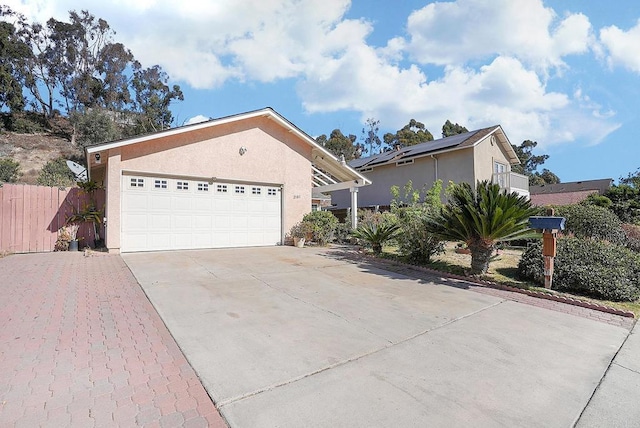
(481, 218)
(376, 234)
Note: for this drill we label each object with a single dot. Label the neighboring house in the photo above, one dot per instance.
(568, 193)
(241, 180)
(484, 154)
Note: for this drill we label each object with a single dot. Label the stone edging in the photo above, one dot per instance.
(490, 284)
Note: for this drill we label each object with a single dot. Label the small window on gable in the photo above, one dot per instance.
(203, 187)
(365, 169)
(160, 184)
(137, 182)
(256, 190)
(239, 189)
(271, 192)
(222, 188)
(182, 185)
(404, 162)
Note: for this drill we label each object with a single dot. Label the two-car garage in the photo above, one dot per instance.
(163, 213)
(238, 181)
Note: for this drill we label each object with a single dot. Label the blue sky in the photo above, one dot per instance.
(564, 73)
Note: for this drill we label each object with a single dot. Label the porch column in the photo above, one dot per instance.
(354, 207)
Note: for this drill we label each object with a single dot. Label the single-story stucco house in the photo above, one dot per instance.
(241, 180)
(483, 154)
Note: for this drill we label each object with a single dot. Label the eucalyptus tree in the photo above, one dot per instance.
(411, 134)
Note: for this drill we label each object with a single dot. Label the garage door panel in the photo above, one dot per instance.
(160, 222)
(159, 201)
(165, 214)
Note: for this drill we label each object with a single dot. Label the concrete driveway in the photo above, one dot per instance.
(292, 337)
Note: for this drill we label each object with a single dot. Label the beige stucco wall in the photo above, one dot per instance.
(485, 154)
(456, 166)
(273, 156)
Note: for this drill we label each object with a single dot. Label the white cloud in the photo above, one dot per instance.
(197, 119)
(464, 30)
(488, 60)
(622, 46)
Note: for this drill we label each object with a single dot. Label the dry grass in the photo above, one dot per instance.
(33, 151)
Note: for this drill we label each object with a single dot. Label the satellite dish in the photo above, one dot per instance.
(78, 170)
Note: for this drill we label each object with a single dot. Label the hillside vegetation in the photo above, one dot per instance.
(34, 143)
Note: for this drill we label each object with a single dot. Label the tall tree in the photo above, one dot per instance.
(371, 143)
(153, 96)
(449, 129)
(339, 144)
(13, 53)
(529, 164)
(411, 134)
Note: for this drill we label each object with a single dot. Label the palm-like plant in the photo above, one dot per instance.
(481, 218)
(376, 234)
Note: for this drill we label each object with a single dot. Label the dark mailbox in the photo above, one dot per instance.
(546, 223)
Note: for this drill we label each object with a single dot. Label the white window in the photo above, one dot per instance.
(222, 188)
(160, 184)
(500, 174)
(256, 190)
(182, 185)
(239, 189)
(271, 192)
(203, 187)
(137, 182)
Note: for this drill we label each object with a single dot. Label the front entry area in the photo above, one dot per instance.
(164, 213)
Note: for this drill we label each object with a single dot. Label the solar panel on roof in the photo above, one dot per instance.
(418, 149)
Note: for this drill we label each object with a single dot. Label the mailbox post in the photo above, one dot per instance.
(549, 226)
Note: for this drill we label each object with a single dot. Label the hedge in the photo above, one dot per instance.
(589, 267)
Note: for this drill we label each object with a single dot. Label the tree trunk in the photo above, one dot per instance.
(480, 256)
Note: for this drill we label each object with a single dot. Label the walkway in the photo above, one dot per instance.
(81, 346)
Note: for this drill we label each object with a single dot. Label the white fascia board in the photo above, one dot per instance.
(341, 186)
(266, 112)
(176, 131)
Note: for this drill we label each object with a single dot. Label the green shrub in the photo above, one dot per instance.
(55, 173)
(412, 208)
(590, 221)
(589, 267)
(9, 170)
(24, 123)
(416, 243)
(324, 225)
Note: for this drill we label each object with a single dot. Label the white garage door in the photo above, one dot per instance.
(178, 214)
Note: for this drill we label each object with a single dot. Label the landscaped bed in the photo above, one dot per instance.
(503, 269)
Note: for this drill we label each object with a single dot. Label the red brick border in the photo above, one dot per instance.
(498, 286)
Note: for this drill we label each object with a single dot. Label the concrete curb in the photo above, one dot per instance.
(498, 286)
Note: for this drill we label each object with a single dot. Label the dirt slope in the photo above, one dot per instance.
(32, 151)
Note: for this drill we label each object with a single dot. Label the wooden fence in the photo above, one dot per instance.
(30, 216)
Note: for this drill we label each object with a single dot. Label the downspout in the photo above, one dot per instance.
(435, 163)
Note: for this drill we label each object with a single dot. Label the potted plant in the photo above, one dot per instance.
(299, 233)
(72, 230)
(64, 239)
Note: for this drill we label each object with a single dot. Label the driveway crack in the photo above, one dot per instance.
(390, 344)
